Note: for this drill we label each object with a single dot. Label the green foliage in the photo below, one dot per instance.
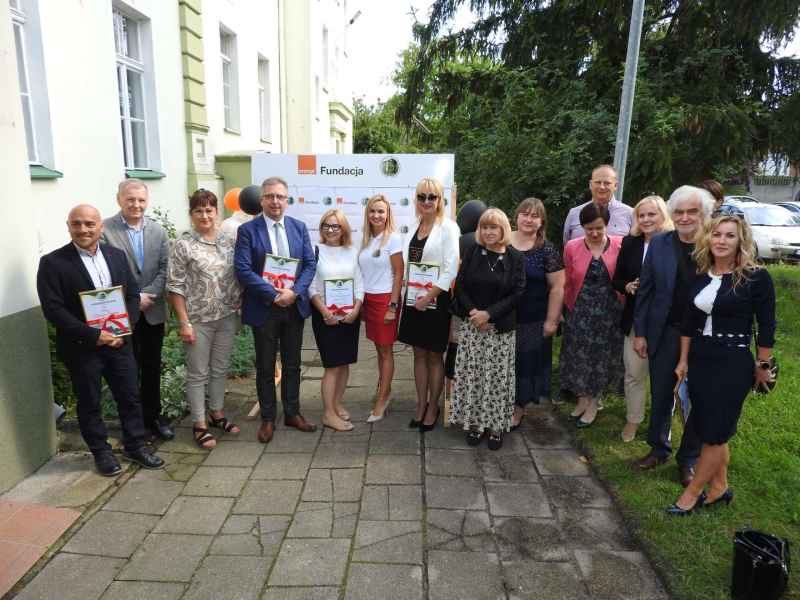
(161, 216)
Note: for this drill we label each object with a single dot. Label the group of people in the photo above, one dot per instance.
(661, 290)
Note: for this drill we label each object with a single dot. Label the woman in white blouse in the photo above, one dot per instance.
(336, 325)
(425, 322)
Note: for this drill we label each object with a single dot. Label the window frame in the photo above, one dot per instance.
(228, 52)
(264, 104)
(18, 21)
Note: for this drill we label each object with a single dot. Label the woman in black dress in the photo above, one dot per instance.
(729, 292)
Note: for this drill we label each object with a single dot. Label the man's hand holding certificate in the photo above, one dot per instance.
(105, 310)
(421, 278)
(340, 297)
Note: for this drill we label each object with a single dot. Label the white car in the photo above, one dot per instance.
(776, 231)
(741, 199)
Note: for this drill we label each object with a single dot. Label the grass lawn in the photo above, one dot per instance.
(694, 554)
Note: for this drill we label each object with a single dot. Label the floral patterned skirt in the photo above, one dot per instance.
(485, 382)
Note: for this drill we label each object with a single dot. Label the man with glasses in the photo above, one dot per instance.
(275, 310)
(602, 185)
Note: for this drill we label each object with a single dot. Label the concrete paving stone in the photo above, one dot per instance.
(460, 575)
(405, 502)
(619, 576)
(393, 469)
(517, 500)
(375, 503)
(240, 577)
(511, 469)
(388, 542)
(452, 463)
(312, 520)
(112, 534)
(273, 524)
(594, 529)
(72, 577)
(268, 498)
(313, 372)
(282, 466)
(179, 467)
(388, 582)
(560, 462)
(530, 580)
(453, 492)
(301, 593)
(195, 515)
(217, 481)
(520, 538)
(394, 442)
(273, 530)
(347, 484)
(182, 443)
(575, 492)
(234, 454)
(136, 590)
(310, 391)
(359, 434)
(319, 486)
(447, 438)
(513, 445)
(240, 524)
(237, 544)
(293, 441)
(339, 456)
(547, 433)
(142, 494)
(167, 557)
(310, 563)
(396, 420)
(459, 530)
(345, 516)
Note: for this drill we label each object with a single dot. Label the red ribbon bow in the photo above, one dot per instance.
(113, 319)
(424, 286)
(340, 310)
(277, 280)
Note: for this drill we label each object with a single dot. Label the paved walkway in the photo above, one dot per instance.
(378, 513)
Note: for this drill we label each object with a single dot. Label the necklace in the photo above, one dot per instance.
(489, 262)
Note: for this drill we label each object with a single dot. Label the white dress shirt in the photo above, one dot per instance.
(271, 231)
(97, 266)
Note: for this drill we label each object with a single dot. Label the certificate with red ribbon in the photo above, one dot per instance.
(105, 309)
(340, 296)
(421, 278)
(280, 271)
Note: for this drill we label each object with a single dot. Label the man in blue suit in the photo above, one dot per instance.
(276, 314)
(661, 302)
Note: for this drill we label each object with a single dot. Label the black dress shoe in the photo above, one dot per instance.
(725, 498)
(144, 457)
(162, 430)
(676, 511)
(414, 424)
(107, 464)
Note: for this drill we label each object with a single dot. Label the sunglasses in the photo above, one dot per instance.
(427, 198)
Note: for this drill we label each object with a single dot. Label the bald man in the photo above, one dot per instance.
(90, 353)
(602, 186)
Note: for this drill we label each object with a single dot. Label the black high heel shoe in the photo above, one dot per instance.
(423, 427)
(414, 424)
(725, 498)
(676, 511)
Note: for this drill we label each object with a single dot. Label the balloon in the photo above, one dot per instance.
(469, 215)
(232, 199)
(250, 199)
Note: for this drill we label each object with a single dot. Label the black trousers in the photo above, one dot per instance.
(118, 367)
(147, 342)
(283, 330)
(662, 383)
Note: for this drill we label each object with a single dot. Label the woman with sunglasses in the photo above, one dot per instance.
(730, 293)
(425, 322)
(336, 326)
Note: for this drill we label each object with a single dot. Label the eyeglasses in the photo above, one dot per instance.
(427, 198)
(280, 197)
(331, 227)
(599, 183)
(726, 210)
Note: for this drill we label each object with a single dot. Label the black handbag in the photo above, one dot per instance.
(760, 566)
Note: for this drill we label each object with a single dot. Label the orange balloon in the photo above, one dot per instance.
(232, 199)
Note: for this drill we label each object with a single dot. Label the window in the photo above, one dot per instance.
(325, 59)
(230, 80)
(263, 99)
(131, 88)
(316, 96)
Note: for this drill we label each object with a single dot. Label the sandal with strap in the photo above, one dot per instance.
(474, 437)
(222, 423)
(204, 438)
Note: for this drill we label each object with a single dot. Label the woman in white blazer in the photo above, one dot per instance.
(425, 319)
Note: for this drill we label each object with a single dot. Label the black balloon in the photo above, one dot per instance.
(468, 216)
(250, 199)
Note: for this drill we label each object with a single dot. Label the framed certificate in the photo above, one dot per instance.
(280, 271)
(105, 310)
(340, 296)
(421, 277)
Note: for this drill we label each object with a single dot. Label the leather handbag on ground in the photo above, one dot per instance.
(760, 566)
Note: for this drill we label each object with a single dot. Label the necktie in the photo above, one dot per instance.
(282, 250)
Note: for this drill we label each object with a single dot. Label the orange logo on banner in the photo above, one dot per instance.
(339, 200)
(306, 164)
(301, 200)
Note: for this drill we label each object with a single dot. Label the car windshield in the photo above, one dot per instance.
(773, 216)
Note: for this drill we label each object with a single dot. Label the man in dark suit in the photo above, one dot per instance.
(661, 302)
(90, 353)
(276, 315)
(145, 245)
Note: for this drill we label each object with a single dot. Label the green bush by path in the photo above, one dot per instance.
(694, 554)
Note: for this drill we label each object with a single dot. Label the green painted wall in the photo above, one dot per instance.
(235, 170)
(27, 428)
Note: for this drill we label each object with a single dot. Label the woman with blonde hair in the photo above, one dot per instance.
(488, 290)
(650, 217)
(381, 264)
(729, 294)
(425, 321)
(336, 326)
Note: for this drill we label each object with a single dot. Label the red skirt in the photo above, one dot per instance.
(372, 313)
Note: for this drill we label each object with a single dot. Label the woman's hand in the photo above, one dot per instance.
(763, 377)
(422, 302)
(391, 315)
(351, 316)
(632, 286)
(187, 335)
(478, 318)
(329, 318)
(549, 328)
(681, 370)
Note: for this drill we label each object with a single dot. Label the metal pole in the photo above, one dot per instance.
(628, 92)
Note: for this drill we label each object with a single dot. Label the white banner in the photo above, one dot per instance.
(318, 182)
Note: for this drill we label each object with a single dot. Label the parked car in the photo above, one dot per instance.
(792, 206)
(741, 199)
(776, 230)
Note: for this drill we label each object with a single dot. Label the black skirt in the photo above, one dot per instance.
(720, 378)
(337, 344)
(427, 329)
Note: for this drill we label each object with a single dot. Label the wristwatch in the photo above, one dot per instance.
(393, 305)
(187, 323)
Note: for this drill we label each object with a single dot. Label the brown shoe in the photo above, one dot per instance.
(265, 432)
(298, 422)
(650, 461)
(686, 475)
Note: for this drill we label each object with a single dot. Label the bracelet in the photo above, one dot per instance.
(186, 323)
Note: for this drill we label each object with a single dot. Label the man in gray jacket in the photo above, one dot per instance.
(144, 242)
